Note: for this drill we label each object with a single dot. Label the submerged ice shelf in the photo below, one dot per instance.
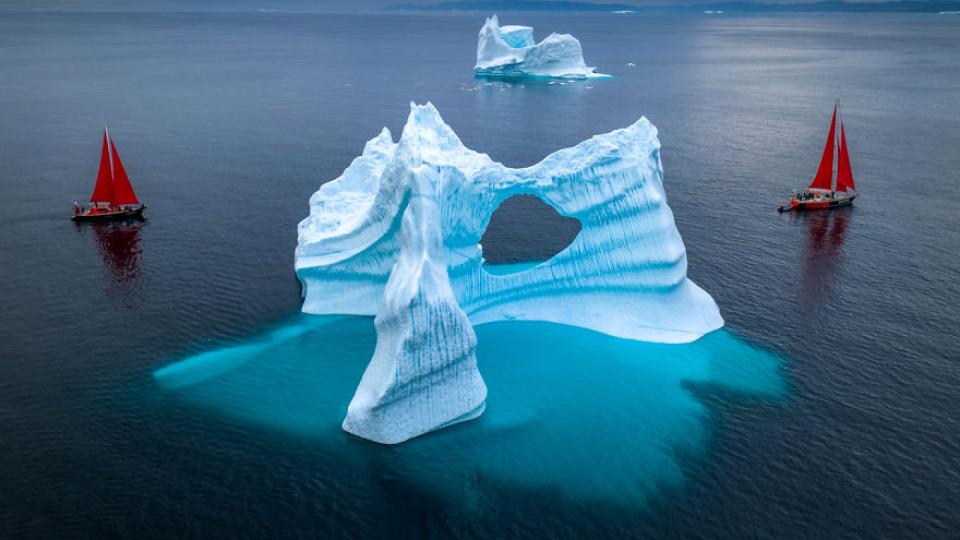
(397, 236)
(510, 51)
(559, 397)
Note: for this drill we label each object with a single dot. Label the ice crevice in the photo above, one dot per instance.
(397, 236)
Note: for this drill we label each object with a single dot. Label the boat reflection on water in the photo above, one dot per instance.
(119, 246)
(823, 253)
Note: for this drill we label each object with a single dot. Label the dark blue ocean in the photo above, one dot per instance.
(157, 379)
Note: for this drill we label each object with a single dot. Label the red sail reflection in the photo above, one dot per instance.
(823, 254)
(119, 247)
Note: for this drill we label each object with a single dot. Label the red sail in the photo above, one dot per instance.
(122, 190)
(824, 177)
(844, 172)
(103, 190)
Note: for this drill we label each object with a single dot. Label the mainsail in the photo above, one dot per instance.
(824, 177)
(113, 186)
(103, 189)
(844, 172)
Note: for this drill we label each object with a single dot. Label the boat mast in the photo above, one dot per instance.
(836, 136)
(844, 172)
(106, 134)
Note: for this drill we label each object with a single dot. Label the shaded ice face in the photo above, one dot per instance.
(517, 36)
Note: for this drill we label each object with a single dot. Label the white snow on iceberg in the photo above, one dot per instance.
(510, 51)
(397, 236)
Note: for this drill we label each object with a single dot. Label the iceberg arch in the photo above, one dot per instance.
(510, 51)
(397, 236)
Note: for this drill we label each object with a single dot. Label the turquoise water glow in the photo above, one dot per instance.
(569, 410)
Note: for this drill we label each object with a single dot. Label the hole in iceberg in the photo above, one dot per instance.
(523, 232)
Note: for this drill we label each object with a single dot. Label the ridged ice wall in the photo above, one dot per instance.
(397, 236)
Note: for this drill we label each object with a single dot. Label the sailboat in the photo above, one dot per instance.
(825, 191)
(113, 196)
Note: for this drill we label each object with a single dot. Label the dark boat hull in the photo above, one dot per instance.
(130, 213)
(803, 206)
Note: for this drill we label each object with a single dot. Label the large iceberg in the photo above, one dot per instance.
(509, 51)
(397, 236)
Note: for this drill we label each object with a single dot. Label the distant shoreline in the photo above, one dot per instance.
(942, 7)
(920, 7)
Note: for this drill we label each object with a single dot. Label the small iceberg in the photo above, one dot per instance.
(510, 51)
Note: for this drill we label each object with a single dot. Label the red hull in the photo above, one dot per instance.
(103, 214)
(799, 206)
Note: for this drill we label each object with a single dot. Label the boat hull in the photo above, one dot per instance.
(802, 206)
(128, 213)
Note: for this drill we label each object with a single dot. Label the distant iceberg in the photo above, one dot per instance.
(510, 51)
(397, 236)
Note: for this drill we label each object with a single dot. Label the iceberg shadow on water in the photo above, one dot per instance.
(571, 411)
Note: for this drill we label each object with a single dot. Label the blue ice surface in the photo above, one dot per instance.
(569, 410)
(509, 268)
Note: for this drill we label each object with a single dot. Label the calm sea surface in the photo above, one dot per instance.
(157, 380)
